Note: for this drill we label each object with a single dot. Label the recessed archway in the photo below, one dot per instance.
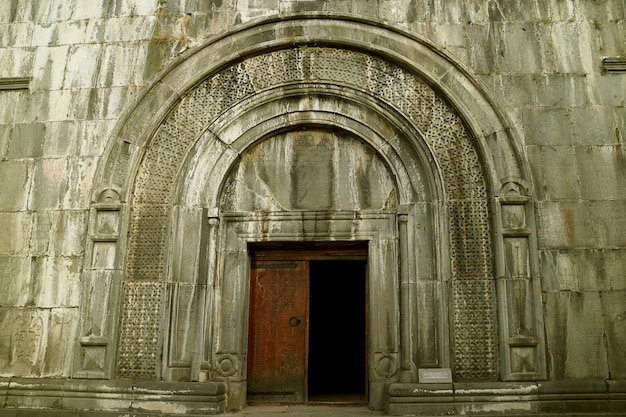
(459, 178)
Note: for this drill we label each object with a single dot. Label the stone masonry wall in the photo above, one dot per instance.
(540, 59)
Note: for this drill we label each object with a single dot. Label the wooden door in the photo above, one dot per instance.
(278, 329)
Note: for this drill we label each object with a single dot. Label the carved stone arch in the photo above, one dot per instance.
(385, 130)
(455, 138)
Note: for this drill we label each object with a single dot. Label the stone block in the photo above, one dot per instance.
(614, 315)
(617, 396)
(14, 280)
(20, 291)
(17, 225)
(516, 47)
(57, 11)
(188, 243)
(561, 224)
(50, 183)
(8, 11)
(5, 137)
(119, 66)
(49, 393)
(60, 341)
(15, 185)
(46, 106)
(609, 40)
(601, 171)
(555, 172)
(607, 89)
(8, 105)
(62, 183)
(122, 29)
(562, 90)
(588, 270)
(369, 8)
(109, 103)
(513, 90)
(92, 135)
(35, 11)
(49, 67)
(44, 34)
(482, 55)
(602, 11)
(18, 35)
(593, 125)
(575, 342)
(426, 399)
(88, 10)
(595, 224)
(619, 132)
(27, 140)
(495, 397)
(56, 143)
(547, 126)
(54, 281)
(564, 397)
(16, 61)
(78, 106)
(560, 61)
(100, 304)
(83, 66)
(22, 341)
(71, 32)
(607, 221)
(501, 11)
(80, 172)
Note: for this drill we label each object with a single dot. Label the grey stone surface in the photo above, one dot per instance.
(525, 78)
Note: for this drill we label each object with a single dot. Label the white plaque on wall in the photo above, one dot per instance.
(435, 376)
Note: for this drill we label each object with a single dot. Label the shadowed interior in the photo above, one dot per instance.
(337, 331)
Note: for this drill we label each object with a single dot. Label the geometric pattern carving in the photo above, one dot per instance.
(440, 125)
(474, 318)
(470, 241)
(148, 224)
(140, 333)
(93, 358)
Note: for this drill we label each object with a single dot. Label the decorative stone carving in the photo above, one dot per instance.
(366, 74)
(227, 364)
(518, 284)
(386, 364)
(140, 341)
(27, 333)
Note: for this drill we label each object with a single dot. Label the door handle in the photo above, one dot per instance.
(294, 321)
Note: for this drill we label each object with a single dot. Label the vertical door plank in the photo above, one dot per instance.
(277, 355)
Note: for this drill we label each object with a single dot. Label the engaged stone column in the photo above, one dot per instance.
(101, 284)
(521, 327)
(408, 371)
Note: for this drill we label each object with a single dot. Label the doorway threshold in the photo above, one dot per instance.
(339, 398)
(305, 409)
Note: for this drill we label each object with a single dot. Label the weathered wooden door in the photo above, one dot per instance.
(278, 329)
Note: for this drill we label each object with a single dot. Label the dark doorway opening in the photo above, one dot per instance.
(337, 360)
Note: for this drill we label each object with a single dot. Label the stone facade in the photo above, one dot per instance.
(474, 147)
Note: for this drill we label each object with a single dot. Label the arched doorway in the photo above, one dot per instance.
(438, 245)
(307, 187)
(308, 314)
